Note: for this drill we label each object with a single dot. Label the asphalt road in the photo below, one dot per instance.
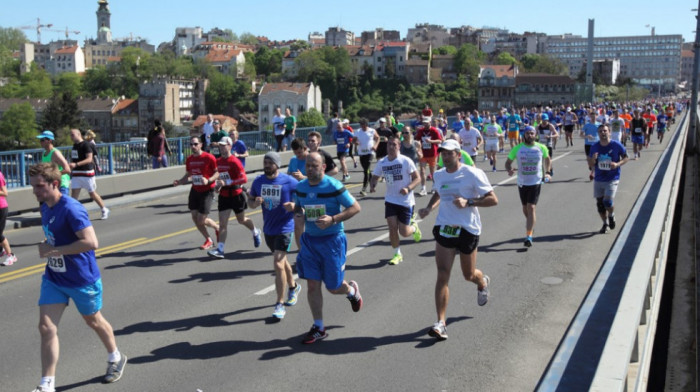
(188, 322)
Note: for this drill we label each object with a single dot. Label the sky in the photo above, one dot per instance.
(282, 20)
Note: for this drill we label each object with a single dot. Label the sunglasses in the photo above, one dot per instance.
(194, 144)
(43, 139)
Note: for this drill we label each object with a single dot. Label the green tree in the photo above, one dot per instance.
(98, 82)
(62, 111)
(69, 82)
(505, 58)
(248, 39)
(36, 83)
(544, 64)
(299, 46)
(268, 61)
(12, 38)
(447, 49)
(310, 118)
(18, 127)
(467, 61)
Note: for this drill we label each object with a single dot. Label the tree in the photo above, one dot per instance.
(12, 38)
(447, 49)
(69, 82)
(311, 118)
(248, 39)
(299, 46)
(36, 83)
(268, 61)
(543, 63)
(98, 82)
(62, 111)
(467, 61)
(18, 127)
(505, 58)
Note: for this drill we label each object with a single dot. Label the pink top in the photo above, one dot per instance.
(3, 199)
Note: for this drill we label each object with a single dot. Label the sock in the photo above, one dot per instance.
(319, 324)
(611, 215)
(528, 233)
(48, 382)
(116, 356)
(221, 247)
(397, 251)
(351, 291)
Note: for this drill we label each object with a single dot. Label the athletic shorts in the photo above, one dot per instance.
(638, 139)
(322, 258)
(587, 149)
(342, 155)
(402, 213)
(465, 242)
(660, 130)
(88, 299)
(236, 203)
(529, 194)
(431, 161)
(3, 220)
(513, 134)
(569, 128)
(491, 146)
(87, 183)
(278, 242)
(200, 201)
(604, 189)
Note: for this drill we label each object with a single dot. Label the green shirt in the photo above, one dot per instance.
(289, 122)
(65, 178)
(466, 159)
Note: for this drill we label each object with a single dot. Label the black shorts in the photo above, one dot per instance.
(236, 203)
(587, 148)
(342, 155)
(466, 243)
(280, 242)
(200, 201)
(569, 128)
(3, 220)
(529, 194)
(402, 213)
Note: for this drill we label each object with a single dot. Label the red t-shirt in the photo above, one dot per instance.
(423, 135)
(231, 169)
(199, 166)
(650, 119)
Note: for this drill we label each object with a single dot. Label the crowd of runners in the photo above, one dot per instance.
(307, 204)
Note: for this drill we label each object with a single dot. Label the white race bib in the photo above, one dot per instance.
(604, 164)
(225, 176)
(74, 154)
(56, 263)
(198, 180)
(271, 194)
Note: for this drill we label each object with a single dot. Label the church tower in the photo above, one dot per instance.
(104, 34)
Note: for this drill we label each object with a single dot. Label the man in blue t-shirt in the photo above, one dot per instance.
(661, 125)
(71, 273)
(343, 141)
(238, 149)
(606, 156)
(321, 258)
(590, 133)
(275, 191)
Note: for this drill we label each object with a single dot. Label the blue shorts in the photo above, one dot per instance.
(322, 258)
(402, 213)
(88, 299)
(638, 139)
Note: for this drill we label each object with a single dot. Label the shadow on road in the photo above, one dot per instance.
(495, 246)
(216, 276)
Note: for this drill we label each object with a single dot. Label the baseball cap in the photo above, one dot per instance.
(426, 119)
(46, 135)
(545, 117)
(449, 145)
(382, 120)
(568, 109)
(226, 140)
(526, 120)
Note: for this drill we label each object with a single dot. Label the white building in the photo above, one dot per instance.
(69, 59)
(298, 97)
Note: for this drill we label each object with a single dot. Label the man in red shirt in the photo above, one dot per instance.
(200, 170)
(232, 177)
(650, 118)
(429, 138)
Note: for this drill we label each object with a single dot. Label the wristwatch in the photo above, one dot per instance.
(470, 202)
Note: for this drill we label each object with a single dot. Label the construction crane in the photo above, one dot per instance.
(47, 27)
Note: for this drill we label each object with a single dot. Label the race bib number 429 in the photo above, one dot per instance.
(56, 263)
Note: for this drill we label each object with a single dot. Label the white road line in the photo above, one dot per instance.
(369, 243)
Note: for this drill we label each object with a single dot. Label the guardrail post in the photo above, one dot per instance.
(22, 170)
(110, 158)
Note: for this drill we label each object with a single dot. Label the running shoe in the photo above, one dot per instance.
(438, 331)
(115, 370)
(215, 253)
(43, 389)
(256, 237)
(363, 192)
(292, 295)
(491, 162)
(394, 260)
(482, 296)
(279, 311)
(207, 244)
(314, 334)
(355, 163)
(417, 235)
(611, 222)
(355, 300)
(494, 169)
(11, 259)
(422, 192)
(604, 229)
(528, 241)
(105, 213)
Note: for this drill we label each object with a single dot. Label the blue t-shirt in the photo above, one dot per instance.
(457, 125)
(501, 120)
(513, 121)
(296, 164)
(325, 198)
(275, 192)
(342, 139)
(661, 121)
(60, 223)
(613, 152)
(590, 130)
(240, 148)
(477, 121)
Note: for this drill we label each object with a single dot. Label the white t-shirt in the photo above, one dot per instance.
(397, 174)
(617, 125)
(466, 182)
(492, 133)
(470, 139)
(365, 140)
(278, 124)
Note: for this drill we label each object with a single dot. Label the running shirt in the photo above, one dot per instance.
(613, 152)
(628, 118)
(297, 164)
(466, 182)
(203, 165)
(79, 153)
(492, 133)
(409, 151)
(365, 140)
(232, 173)
(545, 135)
(650, 118)
(638, 126)
(397, 174)
(514, 123)
(529, 160)
(275, 192)
(65, 178)
(384, 134)
(240, 148)
(590, 132)
(469, 140)
(342, 140)
(60, 223)
(324, 198)
(424, 136)
(617, 126)
(662, 121)
(3, 199)
(568, 118)
(458, 125)
(463, 157)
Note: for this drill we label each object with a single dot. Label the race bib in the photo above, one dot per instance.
(604, 163)
(74, 154)
(364, 151)
(314, 211)
(198, 180)
(340, 141)
(225, 177)
(56, 263)
(637, 130)
(450, 231)
(383, 138)
(272, 194)
(425, 144)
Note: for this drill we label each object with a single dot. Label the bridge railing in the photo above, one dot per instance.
(609, 343)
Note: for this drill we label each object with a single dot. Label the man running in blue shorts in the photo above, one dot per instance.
(71, 273)
(323, 244)
(274, 191)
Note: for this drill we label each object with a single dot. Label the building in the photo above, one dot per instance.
(607, 70)
(316, 40)
(436, 35)
(171, 100)
(97, 113)
(379, 35)
(69, 59)
(229, 61)
(652, 61)
(515, 44)
(687, 61)
(44, 55)
(186, 38)
(496, 86)
(390, 59)
(125, 121)
(336, 36)
(543, 89)
(443, 65)
(298, 97)
(289, 65)
(37, 104)
(361, 58)
(418, 71)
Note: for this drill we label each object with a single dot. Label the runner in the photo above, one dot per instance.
(366, 139)
(323, 244)
(343, 142)
(52, 155)
(460, 189)
(638, 127)
(628, 119)
(409, 146)
(534, 164)
(297, 165)
(590, 133)
(493, 134)
(617, 126)
(662, 121)
(606, 156)
(650, 118)
(232, 178)
(471, 139)
(547, 134)
(347, 127)
(9, 257)
(429, 138)
(83, 171)
(200, 170)
(401, 179)
(71, 273)
(274, 191)
(513, 125)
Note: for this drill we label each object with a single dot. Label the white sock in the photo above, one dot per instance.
(116, 356)
(397, 251)
(351, 292)
(48, 382)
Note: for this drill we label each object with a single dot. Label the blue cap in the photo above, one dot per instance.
(545, 117)
(46, 135)
(526, 120)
